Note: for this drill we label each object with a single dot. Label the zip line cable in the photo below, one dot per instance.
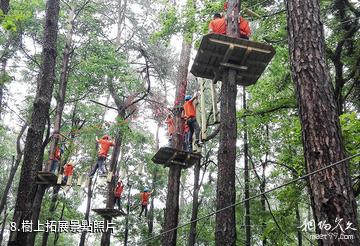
(252, 197)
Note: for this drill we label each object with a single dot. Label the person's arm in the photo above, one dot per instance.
(97, 140)
(211, 29)
(196, 95)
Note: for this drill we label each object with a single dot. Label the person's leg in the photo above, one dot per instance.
(142, 209)
(54, 165)
(101, 165)
(93, 171)
(146, 210)
(65, 179)
(191, 133)
(197, 130)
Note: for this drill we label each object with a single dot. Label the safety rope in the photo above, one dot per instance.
(251, 198)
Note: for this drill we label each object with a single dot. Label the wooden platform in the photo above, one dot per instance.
(218, 52)
(109, 212)
(47, 178)
(170, 156)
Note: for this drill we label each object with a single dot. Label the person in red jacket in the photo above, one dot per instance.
(117, 193)
(105, 145)
(68, 171)
(189, 115)
(144, 198)
(217, 24)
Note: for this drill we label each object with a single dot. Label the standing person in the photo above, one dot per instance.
(144, 198)
(105, 145)
(68, 171)
(217, 24)
(55, 158)
(117, 193)
(170, 127)
(189, 114)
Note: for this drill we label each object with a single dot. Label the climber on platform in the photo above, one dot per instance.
(68, 171)
(217, 24)
(244, 27)
(105, 145)
(170, 127)
(144, 198)
(56, 155)
(117, 193)
(189, 114)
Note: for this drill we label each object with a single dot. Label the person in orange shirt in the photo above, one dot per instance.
(189, 115)
(170, 127)
(105, 145)
(244, 28)
(218, 24)
(117, 193)
(144, 198)
(68, 171)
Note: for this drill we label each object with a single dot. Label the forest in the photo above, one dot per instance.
(180, 122)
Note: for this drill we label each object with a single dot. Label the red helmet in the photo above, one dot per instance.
(105, 137)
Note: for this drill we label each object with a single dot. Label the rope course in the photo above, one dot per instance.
(252, 197)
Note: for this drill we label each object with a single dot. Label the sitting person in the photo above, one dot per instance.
(218, 24)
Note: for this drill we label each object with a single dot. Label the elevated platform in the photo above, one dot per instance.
(218, 52)
(169, 156)
(109, 212)
(47, 178)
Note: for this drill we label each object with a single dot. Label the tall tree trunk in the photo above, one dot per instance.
(246, 178)
(172, 198)
(127, 217)
(3, 225)
(4, 6)
(51, 213)
(195, 205)
(331, 192)
(2, 82)
(33, 151)
(110, 199)
(298, 222)
(14, 168)
(87, 213)
(263, 185)
(153, 187)
(225, 232)
(57, 122)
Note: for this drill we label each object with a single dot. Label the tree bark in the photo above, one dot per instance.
(5, 6)
(246, 179)
(172, 198)
(2, 83)
(3, 225)
(33, 151)
(87, 213)
(110, 200)
(225, 231)
(195, 206)
(331, 194)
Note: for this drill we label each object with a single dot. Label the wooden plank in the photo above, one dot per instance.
(239, 45)
(233, 66)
